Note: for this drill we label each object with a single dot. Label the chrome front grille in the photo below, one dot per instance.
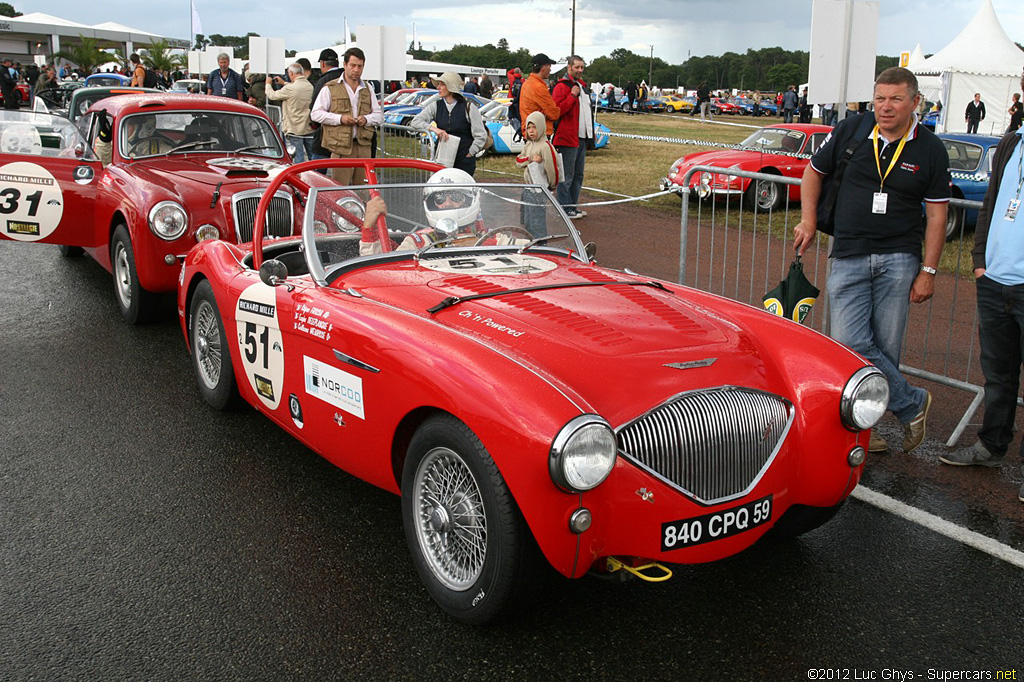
(713, 445)
(279, 216)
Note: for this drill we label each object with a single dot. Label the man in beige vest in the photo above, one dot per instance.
(347, 109)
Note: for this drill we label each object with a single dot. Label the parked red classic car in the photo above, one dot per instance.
(465, 351)
(720, 105)
(21, 91)
(179, 169)
(783, 149)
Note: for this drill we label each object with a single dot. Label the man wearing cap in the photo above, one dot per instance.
(8, 85)
(575, 130)
(331, 72)
(535, 95)
(347, 109)
(456, 115)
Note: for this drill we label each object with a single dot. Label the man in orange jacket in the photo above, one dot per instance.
(535, 95)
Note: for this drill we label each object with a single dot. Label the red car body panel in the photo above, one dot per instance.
(516, 368)
(125, 190)
(753, 161)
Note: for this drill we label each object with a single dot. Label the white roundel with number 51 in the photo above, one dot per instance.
(260, 344)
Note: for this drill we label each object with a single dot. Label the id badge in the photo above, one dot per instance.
(1011, 209)
(879, 202)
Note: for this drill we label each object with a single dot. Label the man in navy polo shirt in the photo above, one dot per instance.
(225, 81)
(877, 268)
(999, 269)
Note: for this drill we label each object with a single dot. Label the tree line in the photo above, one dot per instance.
(768, 69)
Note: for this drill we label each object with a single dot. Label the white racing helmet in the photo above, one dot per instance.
(145, 127)
(447, 196)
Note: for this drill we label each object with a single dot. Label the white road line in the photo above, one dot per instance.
(940, 526)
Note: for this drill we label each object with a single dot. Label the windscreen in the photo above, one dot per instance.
(433, 218)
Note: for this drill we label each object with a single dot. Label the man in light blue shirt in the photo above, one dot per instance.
(998, 257)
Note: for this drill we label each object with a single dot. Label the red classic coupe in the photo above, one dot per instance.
(176, 170)
(464, 350)
(783, 149)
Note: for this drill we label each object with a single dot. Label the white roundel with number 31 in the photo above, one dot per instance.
(31, 202)
(260, 344)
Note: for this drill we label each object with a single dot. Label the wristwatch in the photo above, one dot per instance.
(929, 270)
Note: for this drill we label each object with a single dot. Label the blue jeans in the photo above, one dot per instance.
(303, 147)
(568, 191)
(1000, 324)
(870, 301)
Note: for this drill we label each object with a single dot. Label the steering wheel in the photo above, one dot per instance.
(152, 146)
(507, 228)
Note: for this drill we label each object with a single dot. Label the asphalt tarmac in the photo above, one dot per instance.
(144, 536)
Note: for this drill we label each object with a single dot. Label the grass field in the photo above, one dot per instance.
(633, 167)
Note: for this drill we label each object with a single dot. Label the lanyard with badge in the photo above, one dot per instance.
(1011, 209)
(880, 200)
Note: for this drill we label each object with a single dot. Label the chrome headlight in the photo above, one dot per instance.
(582, 454)
(168, 220)
(865, 399)
(354, 207)
(206, 232)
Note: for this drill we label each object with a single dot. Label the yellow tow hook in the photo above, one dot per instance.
(639, 571)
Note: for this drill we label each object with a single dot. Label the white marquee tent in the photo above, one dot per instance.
(981, 59)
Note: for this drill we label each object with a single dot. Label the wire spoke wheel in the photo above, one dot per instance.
(451, 523)
(209, 358)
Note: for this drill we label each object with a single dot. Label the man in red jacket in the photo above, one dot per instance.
(574, 130)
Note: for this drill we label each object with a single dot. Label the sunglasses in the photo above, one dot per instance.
(448, 198)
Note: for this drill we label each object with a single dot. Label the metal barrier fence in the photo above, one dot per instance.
(730, 250)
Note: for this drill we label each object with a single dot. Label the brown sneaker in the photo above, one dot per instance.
(915, 429)
(877, 444)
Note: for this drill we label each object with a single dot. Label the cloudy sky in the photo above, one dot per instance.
(676, 28)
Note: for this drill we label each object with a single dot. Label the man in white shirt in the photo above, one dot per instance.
(348, 109)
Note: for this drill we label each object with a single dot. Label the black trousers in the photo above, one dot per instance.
(1000, 324)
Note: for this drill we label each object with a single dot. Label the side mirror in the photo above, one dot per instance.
(591, 250)
(273, 272)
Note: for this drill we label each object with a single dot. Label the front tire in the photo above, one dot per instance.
(211, 350)
(70, 251)
(135, 303)
(469, 544)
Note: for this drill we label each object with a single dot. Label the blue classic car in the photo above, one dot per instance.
(110, 80)
(405, 109)
(746, 105)
(496, 119)
(970, 164)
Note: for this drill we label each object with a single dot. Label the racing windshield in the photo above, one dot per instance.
(776, 140)
(41, 134)
(433, 222)
(161, 133)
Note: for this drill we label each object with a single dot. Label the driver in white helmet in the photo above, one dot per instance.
(451, 207)
(142, 139)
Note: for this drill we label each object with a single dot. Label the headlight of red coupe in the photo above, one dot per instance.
(168, 220)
